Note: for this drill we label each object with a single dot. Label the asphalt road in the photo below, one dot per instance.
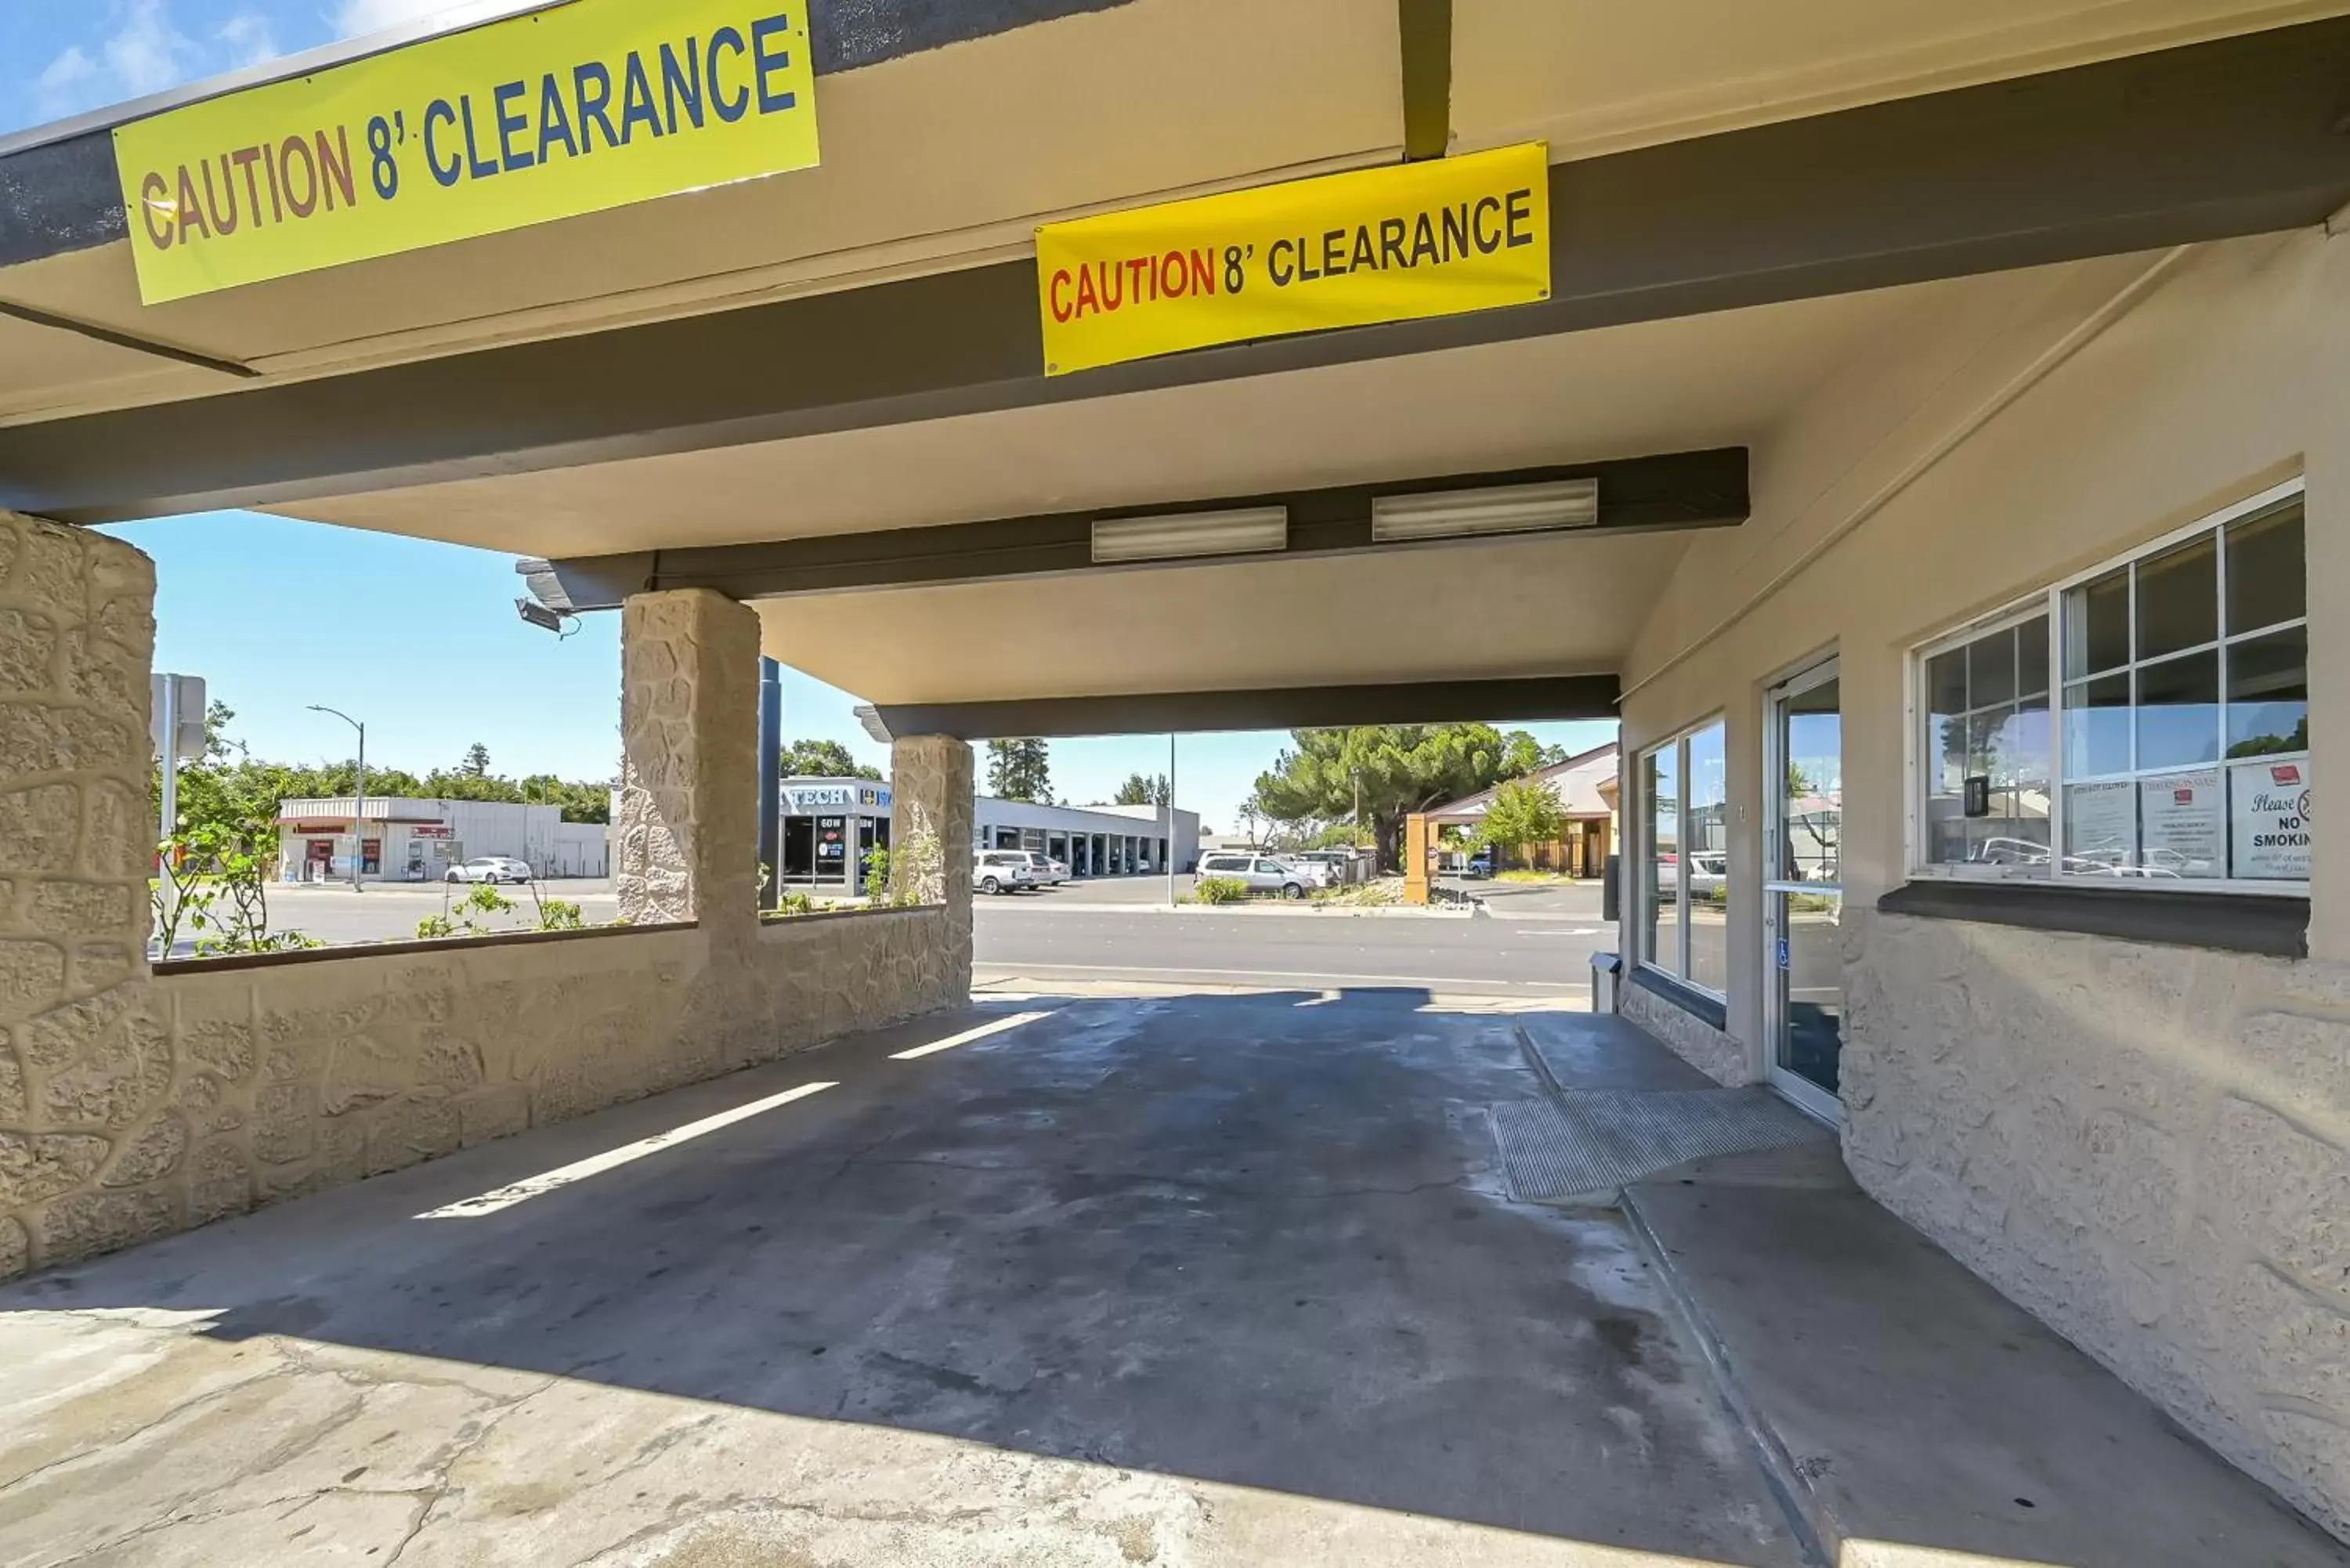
(1106, 930)
(1031, 939)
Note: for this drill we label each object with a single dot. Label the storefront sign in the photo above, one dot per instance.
(572, 110)
(2269, 817)
(1437, 238)
(806, 800)
(2181, 819)
(428, 830)
(2100, 822)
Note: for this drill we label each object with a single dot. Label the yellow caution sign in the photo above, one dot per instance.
(577, 108)
(1437, 238)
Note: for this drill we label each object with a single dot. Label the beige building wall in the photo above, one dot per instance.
(2145, 1145)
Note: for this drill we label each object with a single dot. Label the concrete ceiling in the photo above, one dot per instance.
(1665, 386)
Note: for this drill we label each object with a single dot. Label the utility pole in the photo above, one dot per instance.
(359, 796)
(1170, 820)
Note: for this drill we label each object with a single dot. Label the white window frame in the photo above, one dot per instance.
(1678, 743)
(2049, 602)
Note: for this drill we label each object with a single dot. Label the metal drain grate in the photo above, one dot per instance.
(1592, 1141)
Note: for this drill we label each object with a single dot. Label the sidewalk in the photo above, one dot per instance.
(1912, 1415)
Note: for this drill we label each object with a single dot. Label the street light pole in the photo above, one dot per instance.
(358, 797)
(1170, 821)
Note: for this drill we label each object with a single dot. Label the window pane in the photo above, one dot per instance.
(2032, 657)
(2096, 626)
(1946, 682)
(2267, 572)
(1990, 669)
(2179, 711)
(2098, 728)
(2268, 694)
(2178, 599)
(1659, 887)
(1707, 855)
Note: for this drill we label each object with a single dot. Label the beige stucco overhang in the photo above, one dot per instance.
(854, 349)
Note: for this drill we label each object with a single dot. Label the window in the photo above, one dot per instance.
(2148, 721)
(1684, 891)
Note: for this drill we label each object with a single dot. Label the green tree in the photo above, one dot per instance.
(1019, 770)
(1398, 769)
(476, 761)
(1138, 790)
(1523, 812)
(824, 759)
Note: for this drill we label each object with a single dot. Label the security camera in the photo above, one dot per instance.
(539, 616)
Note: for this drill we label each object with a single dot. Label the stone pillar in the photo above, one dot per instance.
(689, 781)
(88, 1146)
(930, 834)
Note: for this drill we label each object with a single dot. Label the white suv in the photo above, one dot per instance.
(1262, 873)
(1002, 871)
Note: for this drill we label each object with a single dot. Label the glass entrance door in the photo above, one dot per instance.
(1803, 893)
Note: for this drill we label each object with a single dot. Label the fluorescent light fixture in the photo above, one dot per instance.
(1503, 509)
(1250, 530)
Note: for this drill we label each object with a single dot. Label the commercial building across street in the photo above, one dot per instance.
(403, 839)
(832, 825)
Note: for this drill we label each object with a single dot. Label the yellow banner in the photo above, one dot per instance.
(1438, 238)
(585, 106)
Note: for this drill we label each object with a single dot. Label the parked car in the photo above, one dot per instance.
(489, 868)
(996, 871)
(1049, 872)
(1262, 873)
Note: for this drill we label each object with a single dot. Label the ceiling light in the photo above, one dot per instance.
(1503, 509)
(1247, 531)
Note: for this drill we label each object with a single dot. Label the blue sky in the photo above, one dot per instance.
(65, 56)
(420, 640)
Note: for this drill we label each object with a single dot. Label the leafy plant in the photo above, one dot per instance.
(213, 881)
(876, 877)
(1219, 890)
(1521, 812)
(466, 916)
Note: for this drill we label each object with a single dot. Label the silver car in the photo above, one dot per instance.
(1262, 873)
(1002, 871)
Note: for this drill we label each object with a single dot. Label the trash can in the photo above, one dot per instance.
(1605, 969)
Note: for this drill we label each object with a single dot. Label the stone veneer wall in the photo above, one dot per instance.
(2148, 1147)
(132, 1105)
(1718, 1055)
(216, 1089)
(83, 1057)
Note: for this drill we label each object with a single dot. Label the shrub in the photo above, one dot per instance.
(1219, 890)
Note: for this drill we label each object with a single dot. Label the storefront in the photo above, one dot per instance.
(1969, 806)
(398, 839)
(831, 827)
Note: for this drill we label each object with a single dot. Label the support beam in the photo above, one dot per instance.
(771, 770)
(1534, 700)
(931, 782)
(1424, 29)
(1637, 495)
(688, 827)
(2201, 143)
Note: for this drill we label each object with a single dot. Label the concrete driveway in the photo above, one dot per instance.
(1189, 1279)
